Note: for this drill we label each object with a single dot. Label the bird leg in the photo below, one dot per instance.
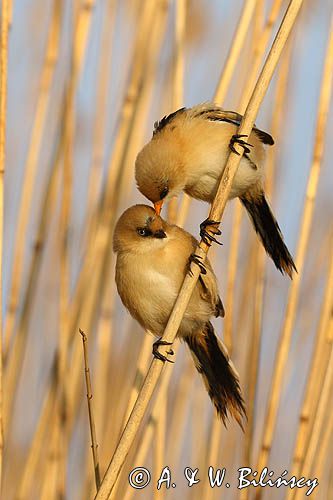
(198, 261)
(237, 138)
(205, 235)
(157, 353)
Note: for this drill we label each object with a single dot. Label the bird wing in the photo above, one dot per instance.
(219, 114)
(161, 124)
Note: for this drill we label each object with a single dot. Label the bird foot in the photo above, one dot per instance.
(237, 139)
(160, 356)
(198, 261)
(205, 235)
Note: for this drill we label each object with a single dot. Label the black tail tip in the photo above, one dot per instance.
(233, 405)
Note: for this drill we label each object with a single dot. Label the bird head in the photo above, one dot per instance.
(139, 229)
(159, 170)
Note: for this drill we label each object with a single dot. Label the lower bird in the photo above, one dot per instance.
(152, 261)
(188, 152)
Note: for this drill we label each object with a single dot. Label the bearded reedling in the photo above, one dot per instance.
(188, 152)
(152, 261)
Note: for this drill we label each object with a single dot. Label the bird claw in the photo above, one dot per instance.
(197, 260)
(237, 138)
(206, 236)
(157, 354)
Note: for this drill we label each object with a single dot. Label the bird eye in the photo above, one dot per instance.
(142, 231)
(164, 192)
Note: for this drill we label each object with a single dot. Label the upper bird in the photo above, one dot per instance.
(188, 152)
(152, 261)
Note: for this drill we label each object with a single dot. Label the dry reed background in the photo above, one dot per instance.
(86, 81)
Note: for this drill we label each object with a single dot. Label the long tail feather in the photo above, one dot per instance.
(218, 373)
(269, 232)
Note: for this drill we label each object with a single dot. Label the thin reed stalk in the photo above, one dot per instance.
(94, 445)
(289, 320)
(216, 213)
(3, 126)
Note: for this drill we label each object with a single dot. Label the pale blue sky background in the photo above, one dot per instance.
(204, 60)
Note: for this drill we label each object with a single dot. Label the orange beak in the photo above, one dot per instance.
(158, 206)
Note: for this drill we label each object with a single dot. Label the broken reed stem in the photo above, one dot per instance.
(94, 445)
(289, 320)
(3, 126)
(189, 283)
(102, 356)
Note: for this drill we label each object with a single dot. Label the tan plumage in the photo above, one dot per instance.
(152, 261)
(188, 152)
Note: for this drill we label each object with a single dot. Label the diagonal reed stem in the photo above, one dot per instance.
(189, 283)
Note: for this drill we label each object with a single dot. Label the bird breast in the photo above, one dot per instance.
(149, 283)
